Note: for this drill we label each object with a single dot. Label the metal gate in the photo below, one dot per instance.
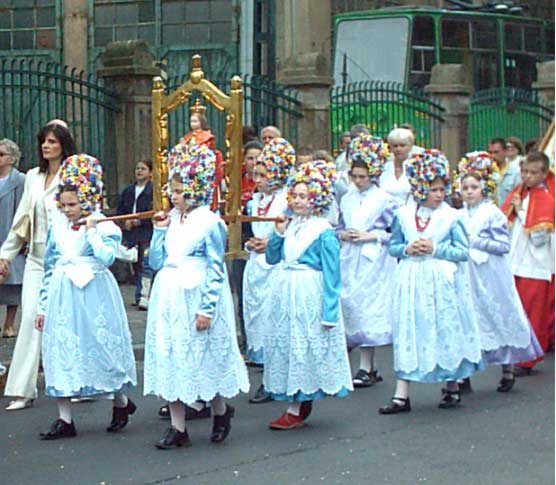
(503, 112)
(382, 106)
(32, 93)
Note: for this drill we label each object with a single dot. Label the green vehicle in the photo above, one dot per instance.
(382, 58)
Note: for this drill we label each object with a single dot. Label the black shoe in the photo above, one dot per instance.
(192, 414)
(164, 412)
(173, 439)
(362, 379)
(261, 396)
(120, 416)
(59, 429)
(505, 384)
(394, 407)
(465, 386)
(450, 399)
(221, 425)
(522, 371)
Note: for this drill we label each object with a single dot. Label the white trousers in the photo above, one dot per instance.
(22, 376)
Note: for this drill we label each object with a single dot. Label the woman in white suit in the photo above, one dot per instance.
(30, 227)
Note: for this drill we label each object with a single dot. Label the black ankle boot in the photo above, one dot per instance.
(173, 439)
(120, 416)
(450, 399)
(394, 407)
(506, 384)
(59, 429)
(222, 425)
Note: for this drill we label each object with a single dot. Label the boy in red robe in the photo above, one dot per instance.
(530, 211)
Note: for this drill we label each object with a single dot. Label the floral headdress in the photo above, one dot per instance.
(482, 164)
(319, 176)
(83, 173)
(425, 167)
(370, 150)
(195, 165)
(278, 156)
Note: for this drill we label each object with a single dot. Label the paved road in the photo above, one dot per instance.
(492, 439)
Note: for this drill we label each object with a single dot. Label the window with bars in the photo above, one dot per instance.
(28, 24)
(163, 22)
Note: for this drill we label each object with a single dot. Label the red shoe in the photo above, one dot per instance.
(287, 421)
(306, 408)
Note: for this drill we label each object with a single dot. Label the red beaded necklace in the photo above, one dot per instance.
(263, 211)
(421, 226)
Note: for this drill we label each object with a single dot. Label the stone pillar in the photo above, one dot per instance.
(544, 85)
(303, 62)
(128, 69)
(76, 31)
(451, 87)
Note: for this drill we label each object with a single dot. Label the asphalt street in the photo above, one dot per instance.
(492, 438)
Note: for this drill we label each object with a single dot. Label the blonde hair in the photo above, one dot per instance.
(401, 135)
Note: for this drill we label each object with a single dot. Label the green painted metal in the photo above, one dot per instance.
(503, 112)
(266, 102)
(34, 92)
(36, 26)
(217, 56)
(381, 106)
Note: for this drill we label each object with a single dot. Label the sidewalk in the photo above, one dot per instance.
(137, 322)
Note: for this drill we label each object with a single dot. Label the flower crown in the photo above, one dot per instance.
(370, 150)
(278, 156)
(482, 164)
(195, 166)
(83, 173)
(425, 167)
(319, 176)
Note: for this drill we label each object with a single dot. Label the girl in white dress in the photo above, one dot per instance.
(86, 344)
(191, 349)
(270, 174)
(366, 214)
(305, 347)
(506, 334)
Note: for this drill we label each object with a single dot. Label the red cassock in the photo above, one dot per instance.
(536, 295)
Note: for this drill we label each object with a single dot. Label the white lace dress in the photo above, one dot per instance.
(434, 325)
(257, 300)
(86, 344)
(367, 268)
(305, 347)
(506, 334)
(182, 362)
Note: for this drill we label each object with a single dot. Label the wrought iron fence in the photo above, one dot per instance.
(266, 102)
(32, 93)
(503, 112)
(382, 106)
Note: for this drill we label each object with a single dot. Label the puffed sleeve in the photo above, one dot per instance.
(157, 251)
(273, 253)
(51, 255)
(398, 243)
(494, 239)
(215, 247)
(384, 223)
(105, 242)
(330, 260)
(455, 246)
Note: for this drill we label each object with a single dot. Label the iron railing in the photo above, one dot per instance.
(503, 112)
(32, 93)
(266, 102)
(382, 106)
